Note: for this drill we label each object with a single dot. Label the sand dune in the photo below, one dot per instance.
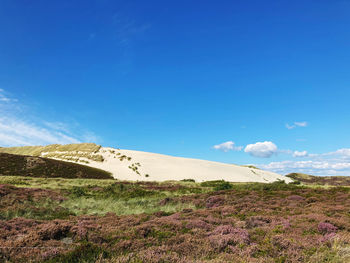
(145, 166)
(137, 165)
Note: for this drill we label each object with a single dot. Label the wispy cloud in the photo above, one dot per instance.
(4, 97)
(19, 128)
(127, 29)
(14, 132)
(296, 124)
(227, 146)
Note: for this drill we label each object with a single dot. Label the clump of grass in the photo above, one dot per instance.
(251, 166)
(188, 180)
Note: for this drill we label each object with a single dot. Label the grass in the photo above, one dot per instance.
(98, 197)
(86, 205)
(37, 150)
(74, 156)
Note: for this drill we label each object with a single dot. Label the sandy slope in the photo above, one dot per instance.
(160, 167)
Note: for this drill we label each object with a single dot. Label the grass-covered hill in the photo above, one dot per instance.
(38, 150)
(21, 165)
(320, 180)
(79, 152)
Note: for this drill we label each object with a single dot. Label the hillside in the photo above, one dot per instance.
(21, 165)
(145, 166)
(320, 180)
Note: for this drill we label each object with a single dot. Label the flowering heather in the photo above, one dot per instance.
(214, 201)
(248, 223)
(326, 228)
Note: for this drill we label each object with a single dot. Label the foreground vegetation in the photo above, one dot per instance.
(88, 220)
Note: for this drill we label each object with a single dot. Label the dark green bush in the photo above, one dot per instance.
(223, 186)
(78, 191)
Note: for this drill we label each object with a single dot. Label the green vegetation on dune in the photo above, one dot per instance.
(37, 150)
(80, 153)
(251, 166)
(21, 165)
(75, 156)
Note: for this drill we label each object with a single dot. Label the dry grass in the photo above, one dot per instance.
(38, 150)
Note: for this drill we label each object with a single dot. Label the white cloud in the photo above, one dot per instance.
(261, 149)
(300, 154)
(18, 127)
(227, 146)
(342, 153)
(296, 124)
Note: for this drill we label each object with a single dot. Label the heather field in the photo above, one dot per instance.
(89, 220)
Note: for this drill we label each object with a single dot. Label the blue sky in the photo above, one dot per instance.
(200, 79)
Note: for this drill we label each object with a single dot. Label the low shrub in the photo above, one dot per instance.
(223, 186)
